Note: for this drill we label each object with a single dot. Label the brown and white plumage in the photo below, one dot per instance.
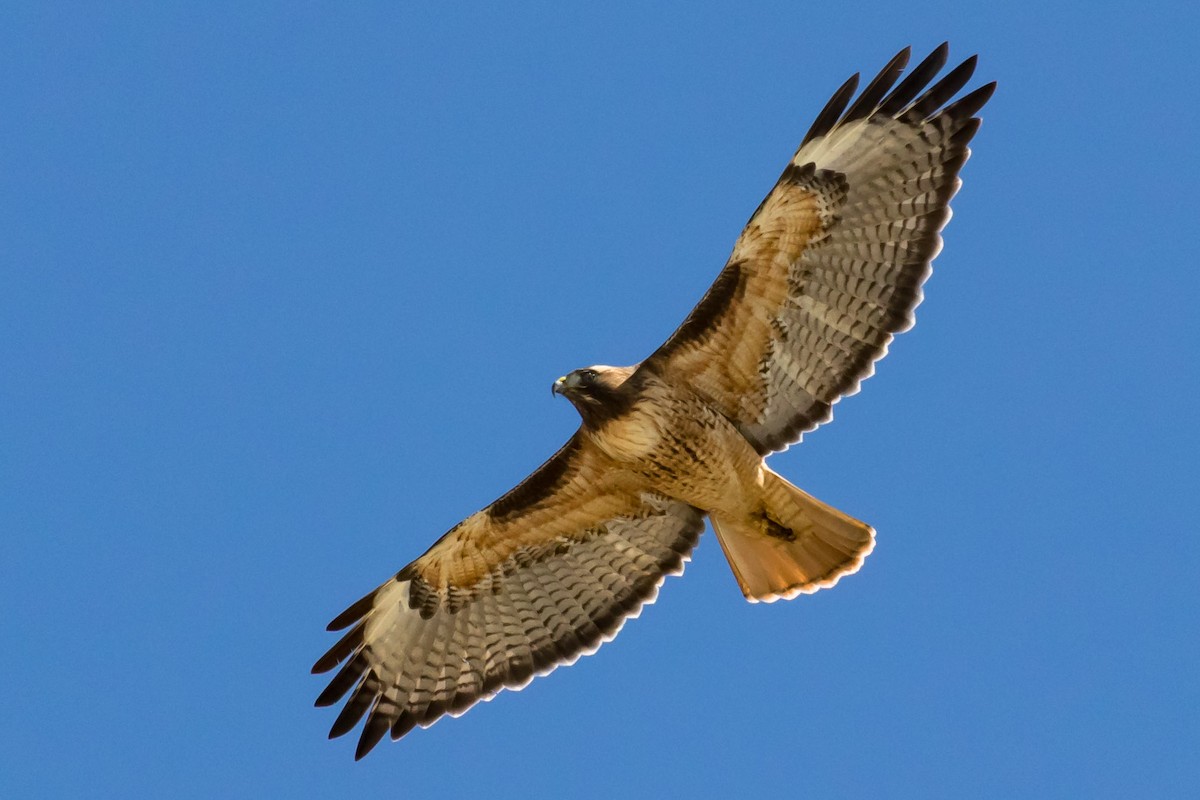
(828, 269)
(830, 266)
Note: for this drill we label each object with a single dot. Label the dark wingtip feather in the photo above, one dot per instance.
(344, 647)
(916, 80)
(352, 614)
(405, 722)
(325, 663)
(875, 91)
(969, 104)
(963, 136)
(375, 729)
(832, 111)
(358, 704)
(943, 90)
(341, 683)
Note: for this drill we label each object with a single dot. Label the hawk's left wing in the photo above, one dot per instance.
(545, 574)
(831, 264)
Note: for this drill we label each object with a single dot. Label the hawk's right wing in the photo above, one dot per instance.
(545, 574)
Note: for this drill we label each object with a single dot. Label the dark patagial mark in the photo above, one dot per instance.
(729, 286)
(538, 486)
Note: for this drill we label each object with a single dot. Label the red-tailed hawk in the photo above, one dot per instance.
(828, 269)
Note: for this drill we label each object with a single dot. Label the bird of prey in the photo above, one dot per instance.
(827, 270)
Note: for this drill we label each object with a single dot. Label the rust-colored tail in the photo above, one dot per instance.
(796, 545)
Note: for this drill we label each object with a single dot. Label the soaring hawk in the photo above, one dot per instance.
(827, 270)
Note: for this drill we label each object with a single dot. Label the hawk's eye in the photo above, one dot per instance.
(587, 377)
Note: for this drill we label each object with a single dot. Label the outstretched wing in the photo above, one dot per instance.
(830, 266)
(543, 575)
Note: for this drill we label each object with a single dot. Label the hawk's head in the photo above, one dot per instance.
(596, 392)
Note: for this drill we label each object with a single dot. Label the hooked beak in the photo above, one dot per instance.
(563, 385)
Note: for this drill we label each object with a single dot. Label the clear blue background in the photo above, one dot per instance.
(283, 292)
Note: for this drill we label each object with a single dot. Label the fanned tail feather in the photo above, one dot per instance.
(797, 545)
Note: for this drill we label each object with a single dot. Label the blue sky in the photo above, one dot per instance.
(282, 293)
